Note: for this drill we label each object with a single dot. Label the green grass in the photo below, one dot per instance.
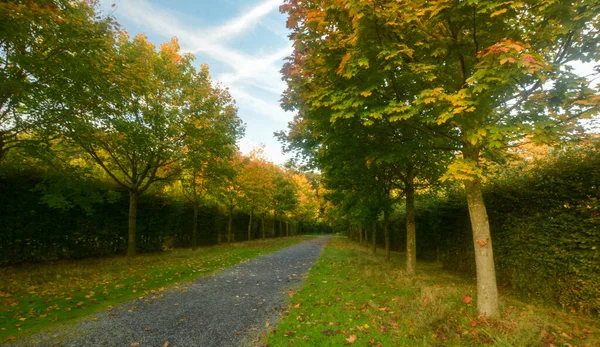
(39, 296)
(354, 297)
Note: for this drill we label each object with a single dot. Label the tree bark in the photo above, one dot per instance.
(133, 197)
(374, 238)
(411, 235)
(263, 226)
(195, 229)
(386, 233)
(287, 228)
(274, 223)
(281, 228)
(250, 225)
(487, 290)
(229, 225)
(360, 235)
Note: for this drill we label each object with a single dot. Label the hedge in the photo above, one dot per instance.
(47, 217)
(545, 224)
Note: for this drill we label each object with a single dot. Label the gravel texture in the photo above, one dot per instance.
(227, 308)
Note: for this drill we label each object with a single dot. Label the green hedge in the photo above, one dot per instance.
(545, 222)
(61, 216)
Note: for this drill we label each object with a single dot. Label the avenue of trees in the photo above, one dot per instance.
(395, 98)
(90, 116)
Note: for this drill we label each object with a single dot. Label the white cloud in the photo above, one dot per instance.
(259, 72)
(246, 73)
(260, 106)
(239, 24)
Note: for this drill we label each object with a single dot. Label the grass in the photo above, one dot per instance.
(39, 296)
(352, 297)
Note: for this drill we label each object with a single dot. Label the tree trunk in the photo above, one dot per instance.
(386, 233)
(274, 223)
(195, 229)
(250, 225)
(229, 226)
(411, 235)
(360, 235)
(281, 228)
(287, 228)
(487, 290)
(374, 238)
(263, 226)
(133, 196)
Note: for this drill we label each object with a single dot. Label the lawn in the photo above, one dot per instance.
(352, 297)
(37, 296)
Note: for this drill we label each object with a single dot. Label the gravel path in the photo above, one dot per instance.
(225, 309)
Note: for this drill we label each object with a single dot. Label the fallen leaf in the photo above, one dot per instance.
(133, 344)
(166, 344)
(473, 323)
(351, 339)
(467, 299)
(289, 333)
(482, 243)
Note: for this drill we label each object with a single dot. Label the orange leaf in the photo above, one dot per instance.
(467, 299)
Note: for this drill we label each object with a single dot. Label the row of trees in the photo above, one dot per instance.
(255, 186)
(79, 94)
(394, 96)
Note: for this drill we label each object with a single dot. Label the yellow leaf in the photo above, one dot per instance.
(499, 12)
(366, 93)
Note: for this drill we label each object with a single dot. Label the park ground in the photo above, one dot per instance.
(354, 297)
(36, 297)
(350, 297)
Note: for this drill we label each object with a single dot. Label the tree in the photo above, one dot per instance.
(51, 52)
(284, 196)
(230, 192)
(492, 71)
(209, 145)
(256, 185)
(137, 132)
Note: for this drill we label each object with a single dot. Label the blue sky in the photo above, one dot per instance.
(244, 43)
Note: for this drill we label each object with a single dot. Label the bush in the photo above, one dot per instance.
(545, 227)
(61, 216)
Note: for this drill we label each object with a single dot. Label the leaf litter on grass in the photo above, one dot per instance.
(354, 297)
(36, 296)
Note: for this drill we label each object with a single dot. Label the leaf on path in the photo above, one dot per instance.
(133, 344)
(166, 344)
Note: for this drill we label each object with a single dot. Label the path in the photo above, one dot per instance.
(218, 310)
